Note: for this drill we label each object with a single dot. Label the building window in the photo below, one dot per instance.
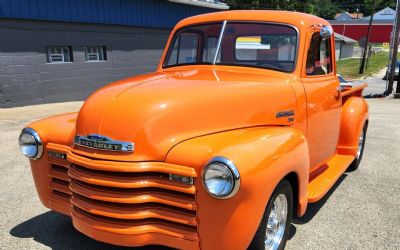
(96, 53)
(59, 54)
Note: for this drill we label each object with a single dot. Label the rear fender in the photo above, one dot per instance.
(264, 156)
(354, 116)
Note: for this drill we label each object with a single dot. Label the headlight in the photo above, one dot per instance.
(30, 144)
(221, 178)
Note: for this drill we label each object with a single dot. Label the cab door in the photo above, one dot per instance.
(323, 99)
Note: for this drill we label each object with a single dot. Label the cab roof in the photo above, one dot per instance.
(297, 19)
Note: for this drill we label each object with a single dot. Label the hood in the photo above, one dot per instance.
(159, 110)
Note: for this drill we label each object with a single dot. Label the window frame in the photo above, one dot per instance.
(197, 47)
(263, 67)
(103, 50)
(333, 59)
(200, 43)
(174, 36)
(49, 54)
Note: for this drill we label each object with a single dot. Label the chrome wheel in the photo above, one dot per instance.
(276, 223)
(360, 144)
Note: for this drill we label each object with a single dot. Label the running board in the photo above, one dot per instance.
(321, 184)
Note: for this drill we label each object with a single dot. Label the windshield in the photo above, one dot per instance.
(265, 45)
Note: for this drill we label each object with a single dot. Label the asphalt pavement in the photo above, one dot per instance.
(360, 212)
(376, 85)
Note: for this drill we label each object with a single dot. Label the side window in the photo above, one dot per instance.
(185, 49)
(319, 58)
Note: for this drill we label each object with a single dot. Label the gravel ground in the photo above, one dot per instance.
(361, 211)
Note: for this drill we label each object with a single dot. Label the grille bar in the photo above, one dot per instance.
(63, 195)
(128, 180)
(134, 212)
(60, 186)
(133, 167)
(132, 197)
(59, 172)
(139, 226)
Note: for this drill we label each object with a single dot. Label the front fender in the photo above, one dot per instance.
(264, 156)
(59, 130)
(354, 116)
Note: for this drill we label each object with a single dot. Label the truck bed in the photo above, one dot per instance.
(354, 90)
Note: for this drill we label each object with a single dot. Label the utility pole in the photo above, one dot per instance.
(362, 66)
(398, 85)
(393, 61)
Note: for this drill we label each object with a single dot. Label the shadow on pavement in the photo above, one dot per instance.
(369, 96)
(292, 231)
(57, 232)
(313, 208)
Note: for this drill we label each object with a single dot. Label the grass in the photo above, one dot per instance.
(349, 67)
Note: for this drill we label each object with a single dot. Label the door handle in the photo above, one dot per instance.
(338, 92)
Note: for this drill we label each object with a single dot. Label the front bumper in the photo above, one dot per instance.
(121, 203)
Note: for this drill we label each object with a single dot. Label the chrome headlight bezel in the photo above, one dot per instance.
(233, 170)
(38, 143)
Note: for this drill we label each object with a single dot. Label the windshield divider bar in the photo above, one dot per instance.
(221, 34)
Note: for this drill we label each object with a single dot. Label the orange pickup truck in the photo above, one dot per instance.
(241, 126)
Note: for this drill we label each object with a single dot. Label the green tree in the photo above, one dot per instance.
(365, 6)
(324, 8)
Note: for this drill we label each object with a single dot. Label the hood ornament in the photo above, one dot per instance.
(103, 143)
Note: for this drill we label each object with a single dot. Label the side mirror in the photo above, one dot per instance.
(326, 32)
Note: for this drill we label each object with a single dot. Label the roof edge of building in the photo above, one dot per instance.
(204, 4)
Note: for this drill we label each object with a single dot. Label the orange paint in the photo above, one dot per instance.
(181, 117)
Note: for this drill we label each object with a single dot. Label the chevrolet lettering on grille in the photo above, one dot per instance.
(103, 143)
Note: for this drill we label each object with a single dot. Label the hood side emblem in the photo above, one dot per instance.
(103, 143)
(287, 113)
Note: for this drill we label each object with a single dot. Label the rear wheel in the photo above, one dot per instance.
(273, 231)
(361, 144)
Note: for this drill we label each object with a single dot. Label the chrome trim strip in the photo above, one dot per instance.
(221, 35)
(234, 170)
(39, 141)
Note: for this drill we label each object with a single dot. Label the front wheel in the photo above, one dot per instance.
(273, 231)
(361, 144)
